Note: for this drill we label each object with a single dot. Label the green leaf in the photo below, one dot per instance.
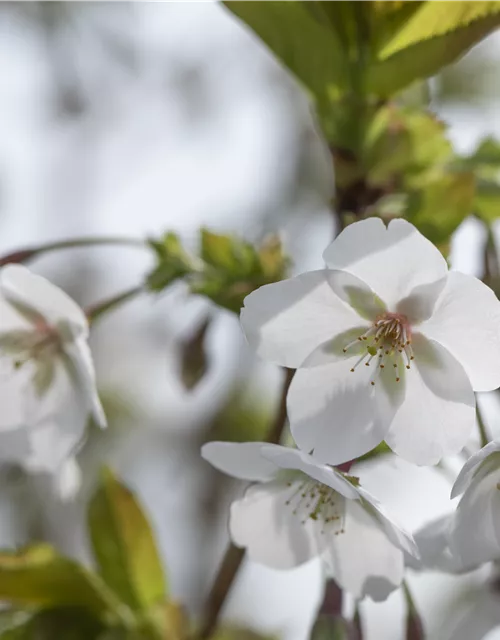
(438, 209)
(228, 254)
(435, 35)
(38, 576)
(67, 624)
(487, 201)
(404, 143)
(299, 34)
(124, 547)
(235, 268)
(173, 262)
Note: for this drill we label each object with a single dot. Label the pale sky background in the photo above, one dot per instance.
(199, 126)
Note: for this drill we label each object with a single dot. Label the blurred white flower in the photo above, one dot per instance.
(47, 380)
(475, 530)
(388, 345)
(302, 509)
(433, 542)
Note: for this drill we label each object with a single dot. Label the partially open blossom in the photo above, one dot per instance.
(47, 380)
(388, 345)
(301, 509)
(475, 531)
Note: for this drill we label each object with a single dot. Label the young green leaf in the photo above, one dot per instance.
(38, 576)
(436, 34)
(124, 546)
(441, 206)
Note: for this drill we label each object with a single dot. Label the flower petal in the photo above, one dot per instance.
(273, 535)
(337, 414)
(80, 358)
(438, 412)
(288, 458)
(471, 467)
(36, 295)
(391, 260)
(466, 320)
(242, 460)
(356, 294)
(394, 532)
(362, 559)
(285, 321)
(57, 424)
(475, 534)
(433, 544)
(66, 483)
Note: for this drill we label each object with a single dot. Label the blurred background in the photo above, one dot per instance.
(132, 119)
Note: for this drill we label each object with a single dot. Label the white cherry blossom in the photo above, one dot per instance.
(47, 380)
(301, 509)
(475, 532)
(433, 542)
(388, 345)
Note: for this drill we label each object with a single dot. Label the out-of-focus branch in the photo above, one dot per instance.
(483, 432)
(99, 309)
(28, 253)
(233, 557)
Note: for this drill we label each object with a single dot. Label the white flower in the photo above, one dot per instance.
(47, 380)
(475, 532)
(302, 509)
(388, 345)
(433, 542)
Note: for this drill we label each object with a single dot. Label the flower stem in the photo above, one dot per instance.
(28, 253)
(99, 309)
(233, 557)
(414, 625)
(483, 432)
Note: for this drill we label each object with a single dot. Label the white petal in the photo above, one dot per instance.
(285, 321)
(356, 293)
(433, 544)
(421, 302)
(472, 465)
(394, 532)
(287, 458)
(36, 294)
(475, 535)
(57, 424)
(80, 357)
(438, 412)
(466, 321)
(392, 261)
(68, 480)
(267, 527)
(363, 560)
(241, 460)
(338, 414)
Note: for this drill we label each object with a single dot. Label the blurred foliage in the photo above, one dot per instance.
(484, 162)
(344, 52)
(331, 628)
(194, 363)
(226, 270)
(243, 418)
(126, 600)
(124, 547)
(238, 633)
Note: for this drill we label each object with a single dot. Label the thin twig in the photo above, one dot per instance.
(234, 556)
(28, 253)
(484, 438)
(109, 304)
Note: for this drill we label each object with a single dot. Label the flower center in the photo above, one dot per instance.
(312, 500)
(388, 341)
(25, 345)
